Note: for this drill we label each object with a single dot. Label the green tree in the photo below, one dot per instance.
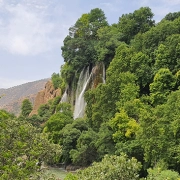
(44, 111)
(167, 55)
(109, 40)
(69, 136)
(26, 108)
(171, 116)
(35, 120)
(89, 23)
(65, 108)
(69, 141)
(150, 40)
(159, 133)
(56, 80)
(163, 84)
(140, 66)
(177, 76)
(125, 129)
(133, 23)
(79, 46)
(5, 115)
(172, 16)
(100, 106)
(120, 85)
(85, 152)
(48, 109)
(55, 124)
(162, 174)
(123, 126)
(122, 60)
(105, 143)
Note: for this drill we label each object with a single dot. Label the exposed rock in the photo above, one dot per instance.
(98, 75)
(44, 96)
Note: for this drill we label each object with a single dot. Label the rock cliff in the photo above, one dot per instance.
(44, 96)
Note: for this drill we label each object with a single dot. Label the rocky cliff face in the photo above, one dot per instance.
(98, 75)
(44, 96)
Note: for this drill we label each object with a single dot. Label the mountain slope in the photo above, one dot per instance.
(12, 98)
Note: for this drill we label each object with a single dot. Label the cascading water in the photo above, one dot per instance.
(84, 79)
(104, 74)
(64, 97)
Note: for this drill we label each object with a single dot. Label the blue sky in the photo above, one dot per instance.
(32, 32)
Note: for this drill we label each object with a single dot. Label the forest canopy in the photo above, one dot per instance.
(136, 111)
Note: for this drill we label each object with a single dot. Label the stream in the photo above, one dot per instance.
(59, 173)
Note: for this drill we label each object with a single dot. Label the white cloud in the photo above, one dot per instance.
(144, 2)
(171, 2)
(28, 30)
(109, 6)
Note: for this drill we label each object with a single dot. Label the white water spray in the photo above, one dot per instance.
(83, 82)
(64, 97)
(104, 74)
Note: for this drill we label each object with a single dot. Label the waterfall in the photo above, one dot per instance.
(83, 82)
(104, 74)
(64, 97)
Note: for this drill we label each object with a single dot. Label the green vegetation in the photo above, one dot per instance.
(79, 46)
(111, 167)
(135, 112)
(22, 148)
(131, 128)
(26, 108)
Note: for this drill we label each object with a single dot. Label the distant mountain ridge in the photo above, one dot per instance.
(11, 98)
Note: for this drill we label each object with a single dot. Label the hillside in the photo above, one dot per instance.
(12, 98)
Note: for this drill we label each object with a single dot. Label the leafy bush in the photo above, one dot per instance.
(110, 168)
(158, 174)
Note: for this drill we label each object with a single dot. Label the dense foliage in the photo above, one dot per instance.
(111, 168)
(136, 111)
(22, 148)
(79, 46)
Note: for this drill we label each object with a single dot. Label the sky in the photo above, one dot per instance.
(32, 32)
